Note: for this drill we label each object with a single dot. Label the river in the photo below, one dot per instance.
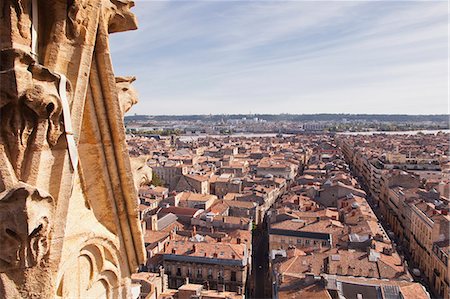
(434, 132)
(255, 135)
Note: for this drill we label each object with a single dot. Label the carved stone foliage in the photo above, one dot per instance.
(26, 214)
(127, 93)
(30, 109)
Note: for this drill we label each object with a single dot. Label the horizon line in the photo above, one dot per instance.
(319, 113)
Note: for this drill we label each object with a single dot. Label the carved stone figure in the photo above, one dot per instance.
(142, 173)
(127, 93)
(76, 18)
(25, 217)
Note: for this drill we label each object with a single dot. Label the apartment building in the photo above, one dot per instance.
(417, 217)
(316, 235)
(170, 173)
(195, 200)
(190, 290)
(330, 192)
(430, 231)
(192, 183)
(225, 184)
(216, 265)
(440, 275)
(276, 168)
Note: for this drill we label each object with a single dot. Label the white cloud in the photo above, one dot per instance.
(297, 57)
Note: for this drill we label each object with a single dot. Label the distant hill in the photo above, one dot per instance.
(296, 117)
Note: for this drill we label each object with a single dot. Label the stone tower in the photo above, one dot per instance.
(69, 222)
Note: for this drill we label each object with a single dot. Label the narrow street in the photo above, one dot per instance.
(260, 281)
(261, 263)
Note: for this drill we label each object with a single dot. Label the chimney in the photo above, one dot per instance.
(387, 250)
(163, 279)
(290, 252)
(194, 248)
(154, 222)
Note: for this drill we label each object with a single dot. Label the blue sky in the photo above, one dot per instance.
(223, 57)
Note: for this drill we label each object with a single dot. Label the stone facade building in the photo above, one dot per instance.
(218, 266)
(411, 197)
(68, 204)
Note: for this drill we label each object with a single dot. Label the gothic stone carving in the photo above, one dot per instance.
(77, 17)
(120, 18)
(30, 109)
(142, 173)
(41, 193)
(127, 93)
(26, 214)
(96, 270)
(19, 30)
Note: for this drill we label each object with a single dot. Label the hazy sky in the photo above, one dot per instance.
(201, 57)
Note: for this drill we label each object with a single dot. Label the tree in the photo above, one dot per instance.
(156, 181)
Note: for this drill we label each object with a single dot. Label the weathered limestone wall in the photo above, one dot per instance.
(69, 222)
